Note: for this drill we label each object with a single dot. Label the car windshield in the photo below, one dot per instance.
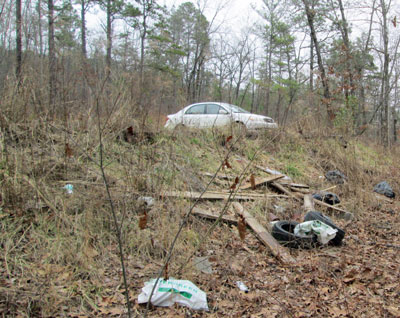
(235, 109)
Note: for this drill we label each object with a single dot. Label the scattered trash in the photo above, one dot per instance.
(148, 201)
(324, 232)
(327, 197)
(335, 176)
(316, 215)
(69, 188)
(242, 286)
(283, 232)
(279, 209)
(203, 265)
(385, 189)
(272, 171)
(168, 292)
(273, 217)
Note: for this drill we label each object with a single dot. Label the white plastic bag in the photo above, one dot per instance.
(168, 292)
(323, 231)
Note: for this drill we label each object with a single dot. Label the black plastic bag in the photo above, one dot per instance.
(385, 189)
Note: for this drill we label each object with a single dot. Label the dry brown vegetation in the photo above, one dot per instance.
(59, 251)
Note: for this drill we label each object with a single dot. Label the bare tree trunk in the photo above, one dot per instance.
(83, 29)
(327, 95)
(18, 39)
(39, 12)
(385, 77)
(311, 65)
(52, 56)
(109, 35)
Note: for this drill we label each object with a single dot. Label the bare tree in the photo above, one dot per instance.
(52, 54)
(18, 39)
(324, 79)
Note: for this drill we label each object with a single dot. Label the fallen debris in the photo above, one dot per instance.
(264, 236)
(209, 195)
(273, 172)
(340, 212)
(203, 265)
(322, 231)
(283, 231)
(168, 292)
(318, 216)
(385, 189)
(212, 216)
(242, 286)
(335, 176)
(261, 182)
(327, 197)
(284, 190)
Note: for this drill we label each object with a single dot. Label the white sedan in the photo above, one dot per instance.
(215, 114)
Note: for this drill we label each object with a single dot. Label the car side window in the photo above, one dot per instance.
(196, 110)
(213, 109)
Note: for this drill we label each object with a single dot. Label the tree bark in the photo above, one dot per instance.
(83, 28)
(385, 76)
(109, 35)
(18, 39)
(327, 95)
(52, 56)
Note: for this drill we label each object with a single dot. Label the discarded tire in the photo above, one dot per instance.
(315, 215)
(282, 231)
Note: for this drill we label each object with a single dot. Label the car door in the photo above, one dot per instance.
(194, 116)
(217, 116)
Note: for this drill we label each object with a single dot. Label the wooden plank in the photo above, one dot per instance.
(264, 236)
(300, 190)
(261, 182)
(219, 176)
(213, 216)
(284, 190)
(298, 185)
(308, 203)
(342, 213)
(218, 195)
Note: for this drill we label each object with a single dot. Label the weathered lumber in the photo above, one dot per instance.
(340, 212)
(284, 190)
(261, 182)
(299, 190)
(298, 185)
(218, 195)
(308, 203)
(264, 236)
(213, 216)
(219, 176)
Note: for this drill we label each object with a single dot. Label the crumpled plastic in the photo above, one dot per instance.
(324, 232)
(385, 189)
(327, 197)
(335, 176)
(168, 292)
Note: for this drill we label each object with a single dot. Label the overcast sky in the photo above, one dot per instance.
(234, 15)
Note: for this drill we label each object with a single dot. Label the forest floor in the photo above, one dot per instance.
(59, 251)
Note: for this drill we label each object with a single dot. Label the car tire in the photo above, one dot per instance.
(282, 231)
(315, 215)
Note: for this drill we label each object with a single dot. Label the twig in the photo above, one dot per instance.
(114, 215)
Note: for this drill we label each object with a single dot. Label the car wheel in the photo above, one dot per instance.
(283, 232)
(315, 215)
